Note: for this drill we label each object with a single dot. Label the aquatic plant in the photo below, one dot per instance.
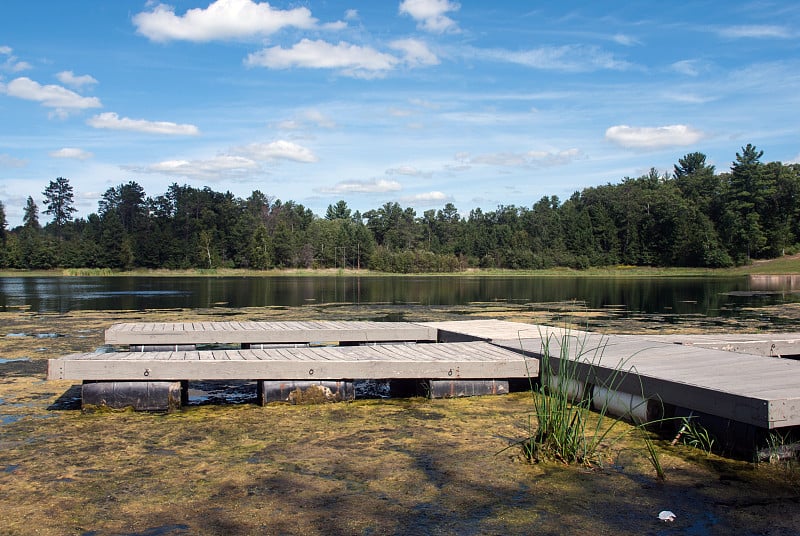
(781, 450)
(695, 435)
(568, 423)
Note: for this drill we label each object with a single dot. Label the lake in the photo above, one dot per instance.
(641, 295)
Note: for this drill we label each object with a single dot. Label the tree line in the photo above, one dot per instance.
(692, 216)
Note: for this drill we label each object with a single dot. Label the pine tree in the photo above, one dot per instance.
(59, 200)
(30, 215)
(749, 189)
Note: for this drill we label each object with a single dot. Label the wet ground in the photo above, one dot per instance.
(405, 466)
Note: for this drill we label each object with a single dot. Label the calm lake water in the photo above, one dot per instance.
(685, 295)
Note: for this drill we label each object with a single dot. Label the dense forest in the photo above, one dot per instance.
(692, 216)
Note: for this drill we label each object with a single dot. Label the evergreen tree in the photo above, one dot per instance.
(115, 249)
(3, 236)
(30, 215)
(3, 224)
(748, 190)
(58, 198)
(339, 211)
(691, 164)
(260, 253)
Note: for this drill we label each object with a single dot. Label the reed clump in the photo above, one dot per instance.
(88, 272)
(570, 423)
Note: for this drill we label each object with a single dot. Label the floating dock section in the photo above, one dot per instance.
(282, 357)
(737, 379)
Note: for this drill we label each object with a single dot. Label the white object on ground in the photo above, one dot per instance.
(666, 515)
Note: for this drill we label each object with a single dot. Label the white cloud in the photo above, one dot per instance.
(351, 60)
(216, 169)
(428, 105)
(319, 118)
(362, 187)
(687, 97)
(653, 137)
(526, 159)
(243, 162)
(415, 52)
(625, 40)
(426, 198)
(51, 96)
(276, 150)
(351, 14)
(71, 152)
(9, 161)
(687, 67)
(399, 112)
(756, 31)
(430, 14)
(306, 119)
(334, 26)
(112, 121)
(68, 78)
(567, 58)
(289, 124)
(410, 171)
(11, 64)
(223, 19)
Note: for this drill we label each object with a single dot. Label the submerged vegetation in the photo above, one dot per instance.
(691, 217)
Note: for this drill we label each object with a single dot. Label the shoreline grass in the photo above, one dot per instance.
(789, 265)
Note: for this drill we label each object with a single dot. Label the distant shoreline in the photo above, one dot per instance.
(788, 265)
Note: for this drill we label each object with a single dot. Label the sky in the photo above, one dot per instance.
(420, 102)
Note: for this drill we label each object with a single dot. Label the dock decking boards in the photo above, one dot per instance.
(147, 334)
(752, 389)
(471, 360)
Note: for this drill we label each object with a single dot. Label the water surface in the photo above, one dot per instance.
(641, 295)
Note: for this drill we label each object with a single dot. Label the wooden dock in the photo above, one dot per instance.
(763, 344)
(468, 360)
(697, 374)
(147, 334)
(160, 358)
(745, 388)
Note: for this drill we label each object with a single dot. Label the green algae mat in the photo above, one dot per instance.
(392, 466)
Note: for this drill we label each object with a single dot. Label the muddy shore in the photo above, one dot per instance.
(405, 466)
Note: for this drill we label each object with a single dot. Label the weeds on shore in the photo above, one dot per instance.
(783, 451)
(696, 435)
(88, 272)
(572, 420)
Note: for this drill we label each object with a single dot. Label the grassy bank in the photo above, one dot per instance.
(787, 265)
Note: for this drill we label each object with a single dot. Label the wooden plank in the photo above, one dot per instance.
(263, 332)
(364, 362)
(763, 344)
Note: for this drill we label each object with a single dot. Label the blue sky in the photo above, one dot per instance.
(422, 102)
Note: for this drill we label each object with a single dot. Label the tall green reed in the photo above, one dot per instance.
(566, 425)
